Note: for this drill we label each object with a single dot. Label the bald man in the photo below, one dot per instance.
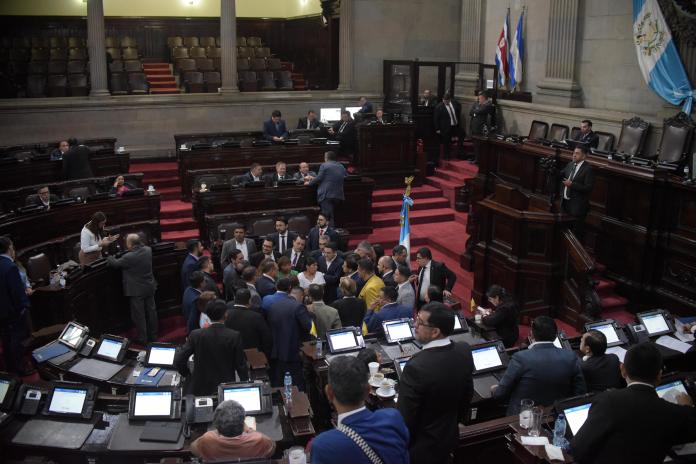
(139, 286)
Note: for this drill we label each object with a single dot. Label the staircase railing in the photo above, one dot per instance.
(580, 302)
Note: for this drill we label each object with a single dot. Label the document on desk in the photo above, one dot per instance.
(673, 344)
(686, 449)
(554, 452)
(534, 441)
(618, 351)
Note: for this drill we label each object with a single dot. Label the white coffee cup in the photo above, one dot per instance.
(374, 367)
(477, 318)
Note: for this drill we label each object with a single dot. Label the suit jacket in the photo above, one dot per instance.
(441, 117)
(247, 178)
(302, 123)
(374, 319)
(351, 311)
(35, 200)
(632, 425)
(434, 397)
(388, 279)
(590, 139)
(289, 320)
(384, 431)
(580, 189)
(231, 281)
(211, 285)
(76, 163)
(481, 115)
(504, 320)
(257, 257)
(370, 291)
(332, 276)
(326, 318)
(273, 179)
(252, 327)
(190, 265)
(217, 354)
(430, 101)
(406, 296)
(347, 137)
(290, 237)
(542, 373)
(299, 177)
(366, 108)
(13, 297)
(330, 181)
(189, 308)
(255, 301)
(136, 271)
(440, 275)
(270, 130)
(265, 286)
(230, 245)
(313, 238)
(602, 372)
(301, 259)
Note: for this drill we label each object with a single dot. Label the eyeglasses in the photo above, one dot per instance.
(420, 322)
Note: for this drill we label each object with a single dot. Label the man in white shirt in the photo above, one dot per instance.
(238, 242)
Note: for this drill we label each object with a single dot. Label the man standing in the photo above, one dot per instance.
(189, 303)
(139, 286)
(238, 242)
(266, 283)
(76, 162)
(446, 122)
(322, 228)
(310, 122)
(250, 324)
(275, 129)
(432, 273)
(428, 99)
(365, 106)
(406, 295)
(195, 251)
(586, 135)
(232, 274)
(482, 114)
(385, 267)
(373, 284)
(207, 268)
(331, 265)
(297, 254)
(436, 387)
(326, 317)
(329, 184)
(267, 252)
(577, 183)
(282, 238)
(400, 255)
(389, 310)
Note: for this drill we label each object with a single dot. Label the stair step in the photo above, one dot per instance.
(180, 235)
(169, 193)
(396, 194)
(163, 85)
(160, 78)
(613, 301)
(415, 217)
(165, 91)
(418, 205)
(177, 224)
(162, 182)
(171, 209)
(158, 72)
(452, 176)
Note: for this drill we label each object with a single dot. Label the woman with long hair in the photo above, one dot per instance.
(503, 315)
(93, 238)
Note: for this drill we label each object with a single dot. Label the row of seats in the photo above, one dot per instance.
(199, 64)
(133, 83)
(58, 67)
(123, 53)
(259, 64)
(57, 85)
(42, 42)
(198, 82)
(128, 66)
(250, 81)
(43, 54)
(178, 41)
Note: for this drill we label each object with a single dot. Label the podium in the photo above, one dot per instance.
(520, 247)
(387, 153)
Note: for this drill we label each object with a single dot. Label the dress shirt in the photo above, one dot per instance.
(424, 281)
(640, 383)
(537, 343)
(271, 257)
(572, 176)
(243, 248)
(437, 343)
(401, 285)
(322, 231)
(282, 238)
(343, 415)
(453, 117)
(8, 257)
(328, 263)
(294, 257)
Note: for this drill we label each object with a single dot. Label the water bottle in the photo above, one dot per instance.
(559, 429)
(319, 347)
(288, 386)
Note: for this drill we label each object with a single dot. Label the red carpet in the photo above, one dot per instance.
(160, 78)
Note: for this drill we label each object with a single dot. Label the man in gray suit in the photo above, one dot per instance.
(238, 242)
(139, 286)
(329, 183)
(406, 296)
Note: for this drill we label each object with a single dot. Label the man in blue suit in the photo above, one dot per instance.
(542, 373)
(365, 106)
(275, 129)
(14, 304)
(289, 321)
(383, 431)
(195, 251)
(329, 184)
(189, 303)
(389, 310)
(266, 284)
(283, 288)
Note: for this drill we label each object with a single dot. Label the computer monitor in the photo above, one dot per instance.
(669, 391)
(398, 330)
(656, 323)
(608, 328)
(460, 324)
(353, 109)
(330, 114)
(70, 400)
(8, 389)
(488, 357)
(154, 403)
(112, 348)
(74, 335)
(576, 416)
(249, 395)
(399, 365)
(345, 339)
(160, 355)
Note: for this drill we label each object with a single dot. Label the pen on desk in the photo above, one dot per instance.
(401, 348)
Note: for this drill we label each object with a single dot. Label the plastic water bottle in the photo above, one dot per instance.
(559, 430)
(319, 347)
(288, 386)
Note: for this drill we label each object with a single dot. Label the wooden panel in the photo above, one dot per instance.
(387, 152)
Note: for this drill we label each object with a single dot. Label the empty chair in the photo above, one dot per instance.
(197, 52)
(58, 54)
(76, 67)
(285, 80)
(538, 130)
(606, 141)
(113, 52)
(247, 81)
(131, 66)
(217, 41)
(632, 137)
(40, 42)
(300, 224)
(57, 42)
(204, 64)
(213, 52)
(180, 52)
(558, 132)
(274, 64)
(119, 83)
(39, 269)
(268, 81)
(243, 64)
(78, 84)
(676, 138)
(76, 42)
(193, 81)
(241, 42)
(128, 42)
(207, 41)
(39, 54)
(21, 42)
(57, 85)
(173, 42)
(575, 133)
(129, 54)
(211, 179)
(38, 67)
(111, 42)
(20, 54)
(244, 52)
(258, 64)
(82, 191)
(262, 52)
(212, 81)
(190, 42)
(262, 227)
(253, 41)
(185, 65)
(116, 66)
(79, 54)
(57, 67)
(138, 83)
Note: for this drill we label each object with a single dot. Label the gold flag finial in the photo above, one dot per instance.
(408, 181)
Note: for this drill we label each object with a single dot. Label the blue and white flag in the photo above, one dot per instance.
(658, 57)
(516, 54)
(405, 235)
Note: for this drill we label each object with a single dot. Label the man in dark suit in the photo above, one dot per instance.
(232, 274)
(280, 174)
(365, 106)
(57, 153)
(217, 351)
(250, 324)
(76, 162)
(331, 265)
(351, 309)
(249, 278)
(322, 228)
(432, 273)
(310, 122)
(43, 197)
(239, 242)
(436, 387)
(428, 100)
(388, 310)
(139, 286)
(385, 267)
(254, 174)
(329, 184)
(195, 251)
(282, 238)
(14, 304)
(275, 129)
(446, 119)
(344, 132)
(289, 321)
(577, 183)
(304, 172)
(542, 373)
(297, 254)
(189, 302)
(208, 269)
(266, 284)
(587, 135)
(267, 252)
(601, 370)
(482, 114)
(633, 424)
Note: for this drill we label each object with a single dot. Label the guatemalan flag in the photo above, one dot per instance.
(658, 57)
(501, 52)
(516, 54)
(405, 236)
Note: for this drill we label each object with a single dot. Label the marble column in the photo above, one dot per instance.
(559, 87)
(228, 43)
(345, 55)
(470, 43)
(97, 49)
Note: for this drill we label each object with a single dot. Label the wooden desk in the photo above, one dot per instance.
(387, 152)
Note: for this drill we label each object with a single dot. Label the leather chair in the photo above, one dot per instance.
(58, 85)
(258, 64)
(574, 132)
(197, 52)
(241, 42)
(262, 52)
(238, 180)
(77, 67)
(58, 54)
(205, 64)
(39, 269)
(180, 52)
(268, 81)
(243, 64)
(114, 53)
(285, 80)
(129, 42)
(213, 81)
(274, 64)
(677, 133)
(57, 67)
(79, 85)
(190, 42)
(78, 54)
(36, 86)
(185, 65)
(138, 83)
(558, 132)
(300, 224)
(130, 54)
(82, 191)
(131, 66)
(57, 42)
(606, 141)
(40, 54)
(632, 137)
(244, 52)
(173, 42)
(116, 66)
(111, 42)
(76, 42)
(254, 42)
(211, 179)
(207, 41)
(538, 130)
(262, 227)
(193, 82)
(119, 84)
(40, 42)
(247, 81)
(215, 54)
(38, 67)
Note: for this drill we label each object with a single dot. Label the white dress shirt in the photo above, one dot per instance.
(243, 248)
(572, 176)
(341, 417)
(283, 242)
(424, 281)
(437, 343)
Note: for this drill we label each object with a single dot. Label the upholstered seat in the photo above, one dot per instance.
(538, 130)
(632, 137)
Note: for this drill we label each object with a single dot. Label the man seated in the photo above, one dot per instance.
(310, 122)
(344, 132)
(633, 424)
(379, 117)
(365, 106)
(255, 174)
(542, 373)
(43, 197)
(304, 173)
(389, 310)
(383, 431)
(280, 174)
(601, 370)
(57, 153)
(231, 437)
(275, 129)
(587, 135)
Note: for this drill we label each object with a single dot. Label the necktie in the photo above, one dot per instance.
(321, 231)
(277, 127)
(343, 126)
(294, 259)
(572, 173)
(282, 243)
(453, 118)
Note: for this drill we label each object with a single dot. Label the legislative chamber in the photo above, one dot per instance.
(347, 231)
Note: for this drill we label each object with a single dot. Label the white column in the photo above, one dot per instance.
(470, 43)
(345, 56)
(97, 50)
(228, 43)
